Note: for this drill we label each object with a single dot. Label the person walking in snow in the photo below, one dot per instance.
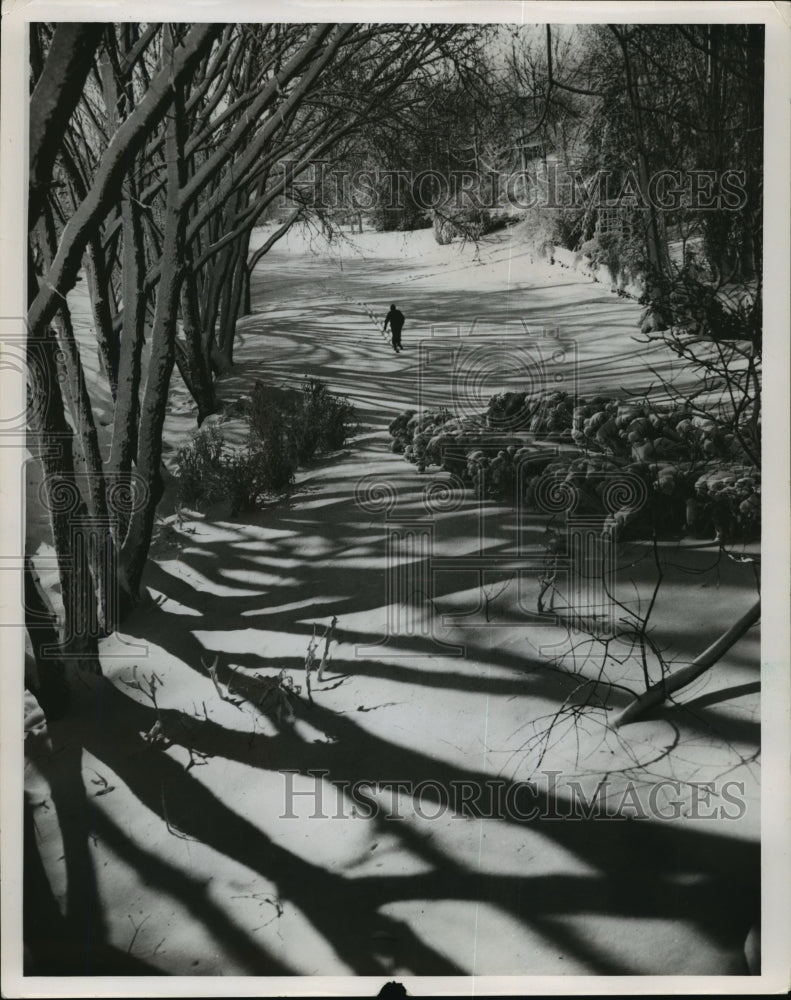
(395, 319)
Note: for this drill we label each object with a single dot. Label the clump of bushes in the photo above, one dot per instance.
(436, 437)
(727, 498)
(309, 422)
(547, 413)
(271, 436)
(208, 471)
(250, 475)
(469, 224)
(198, 467)
(689, 306)
(284, 429)
(628, 430)
(321, 421)
(695, 472)
(622, 255)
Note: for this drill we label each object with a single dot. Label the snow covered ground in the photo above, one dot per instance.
(186, 853)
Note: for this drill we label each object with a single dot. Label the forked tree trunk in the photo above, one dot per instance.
(99, 292)
(192, 362)
(52, 442)
(654, 236)
(100, 521)
(226, 294)
(94, 261)
(123, 450)
(127, 404)
(95, 536)
(231, 305)
(160, 368)
(57, 91)
(217, 285)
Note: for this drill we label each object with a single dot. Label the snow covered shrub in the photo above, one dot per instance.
(548, 414)
(444, 229)
(474, 222)
(320, 421)
(208, 472)
(264, 412)
(691, 306)
(199, 467)
(252, 472)
(623, 255)
(466, 224)
(387, 217)
(568, 226)
(271, 447)
(291, 427)
(697, 474)
(727, 500)
(401, 432)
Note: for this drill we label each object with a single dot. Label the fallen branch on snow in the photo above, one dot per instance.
(658, 692)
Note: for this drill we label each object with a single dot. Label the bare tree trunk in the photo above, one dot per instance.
(655, 241)
(232, 286)
(98, 524)
(99, 292)
(50, 687)
(95, 535)
(715, 225)
(133, 297)
(127, 404)
(224, 352)
(232, 303)
(216, 287)
(247, 305)
(52, 441)
(190, 358)
(98, 284)
(57, 91)
(277, 235)
(152, 418)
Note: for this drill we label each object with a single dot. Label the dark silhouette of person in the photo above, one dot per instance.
(395, 318)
